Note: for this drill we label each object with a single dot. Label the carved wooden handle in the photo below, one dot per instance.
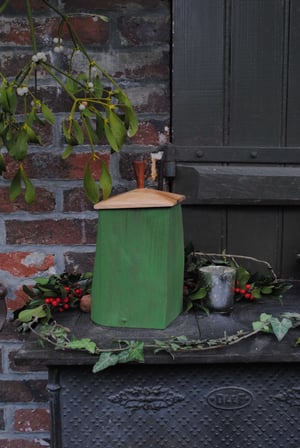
(139, 169)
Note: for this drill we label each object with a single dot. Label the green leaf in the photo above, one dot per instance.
(117, 128)
(98, 87)
(48, 114)
(71, 86)
(110, 137)
(90, 131)
(99, 124)
(29, 188)
(67, 152)
(12, 99)
(90, 186)
(3, 97)
(242, 276)
(2, 164)
(280, 328)
(33, 137)
(15, 186)
(31, 314)
(105, 180)
(20, 148)
(78, 133)
(106, 359)
(83, 344)
(130, 116)
(266, 290)
(200, 294)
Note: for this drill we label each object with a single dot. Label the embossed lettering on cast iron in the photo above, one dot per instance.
(229, 398)
(147, 398)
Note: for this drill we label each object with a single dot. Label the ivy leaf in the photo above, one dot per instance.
(90, 186)
(280, 328)
(83, 344)
(48, 114)
(105, 180)
(106, 359)
(31, 314)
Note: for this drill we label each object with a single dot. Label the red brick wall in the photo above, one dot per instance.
(58, 231)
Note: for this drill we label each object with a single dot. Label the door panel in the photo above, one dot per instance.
(236, 126)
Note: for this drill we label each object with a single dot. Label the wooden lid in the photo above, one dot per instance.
(141, 198)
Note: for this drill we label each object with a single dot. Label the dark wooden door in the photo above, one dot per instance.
(236, 126)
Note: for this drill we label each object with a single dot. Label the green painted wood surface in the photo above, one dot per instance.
(139, 267)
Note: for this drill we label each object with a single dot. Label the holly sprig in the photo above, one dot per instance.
(248, 286)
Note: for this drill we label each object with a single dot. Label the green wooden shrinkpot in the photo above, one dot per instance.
(139, 265)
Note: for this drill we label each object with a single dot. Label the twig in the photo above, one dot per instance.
(244, 257)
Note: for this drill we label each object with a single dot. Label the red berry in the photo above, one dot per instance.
(248, 295)
(248, 286)
(67, 288)
(242, 291)
(237, 290)
(66, 306)
(48, 300)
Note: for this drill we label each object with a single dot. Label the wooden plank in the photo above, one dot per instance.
(254, 231)
(293, 128)
(197, 107)
(260, 185)
(257, 35)
(204, 227)
(291, 243)
(237, 154)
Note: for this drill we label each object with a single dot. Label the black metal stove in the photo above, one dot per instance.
(246, 395)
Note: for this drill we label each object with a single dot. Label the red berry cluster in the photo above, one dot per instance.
(63, 303)
(243, 292)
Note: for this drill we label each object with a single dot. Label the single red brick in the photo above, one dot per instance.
(75, 200)
(23, 391)
(47, 231)
(90, 30)
(45, 202)
(25, 264)
(29, 420)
